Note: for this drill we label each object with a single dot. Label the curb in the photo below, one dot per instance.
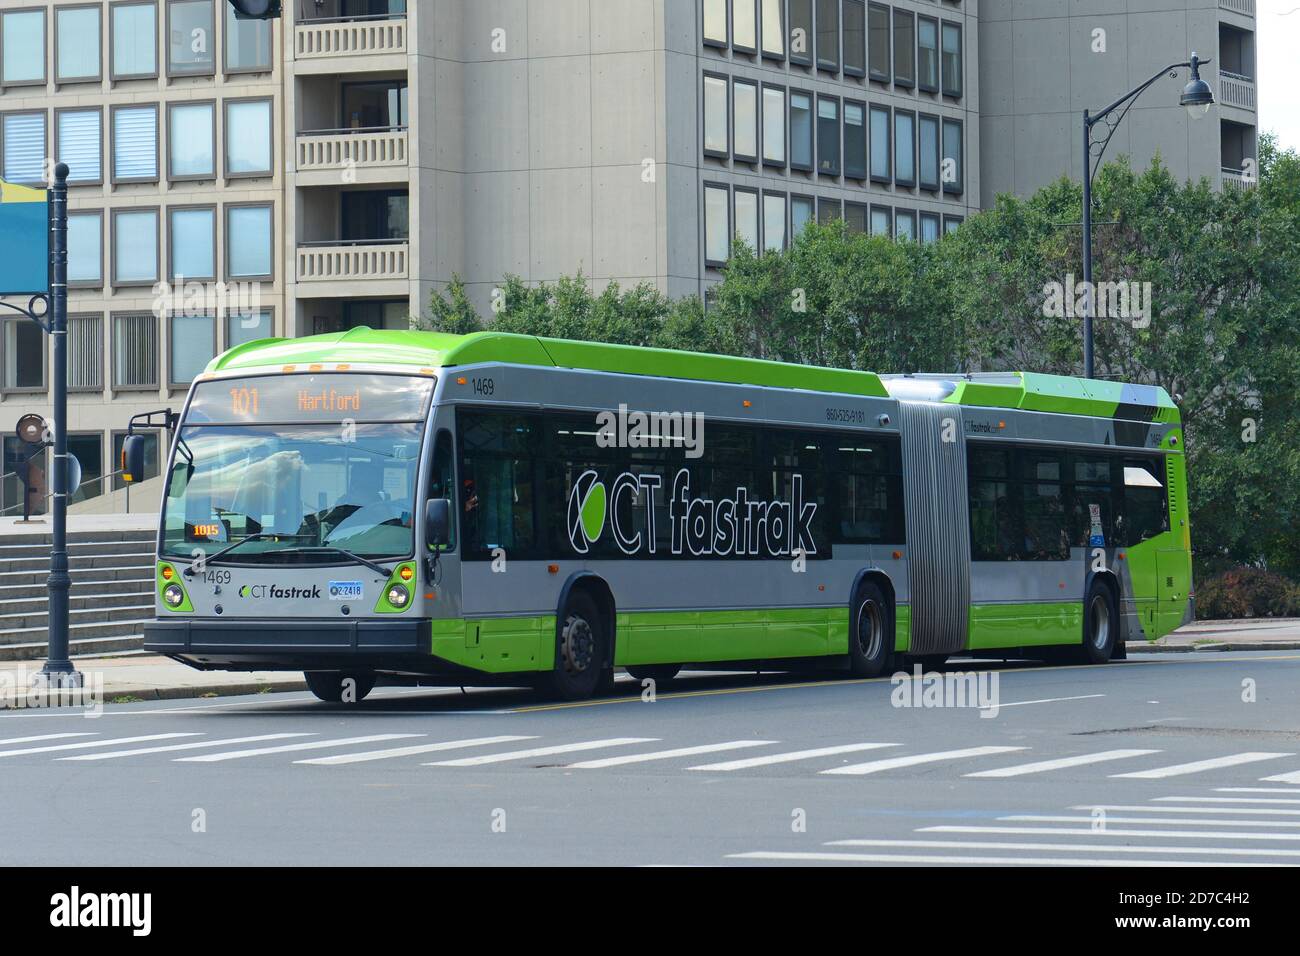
(144, 693)
(1144, 648)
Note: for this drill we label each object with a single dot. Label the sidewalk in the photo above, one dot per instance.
(139, 677)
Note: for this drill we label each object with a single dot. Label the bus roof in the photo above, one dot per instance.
(1031, 391)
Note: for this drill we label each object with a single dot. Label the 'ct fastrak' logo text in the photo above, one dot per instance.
(277, 593)
(94, 910)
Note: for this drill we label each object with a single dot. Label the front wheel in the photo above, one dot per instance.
(335, 687)
(871, 641)
(580, 651)
(1100, 625)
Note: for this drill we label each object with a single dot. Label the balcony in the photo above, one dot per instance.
(359, 149)
(1236, 178)
(359, 42)
(352, 261)
(1245, 7)
(1236, 90)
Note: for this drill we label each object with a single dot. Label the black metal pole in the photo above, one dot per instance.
(58, 669)
(1087, 247)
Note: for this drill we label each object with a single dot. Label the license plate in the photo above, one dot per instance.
(345, 590)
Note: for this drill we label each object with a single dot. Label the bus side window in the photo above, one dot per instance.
(1146, 509)
(442, 482)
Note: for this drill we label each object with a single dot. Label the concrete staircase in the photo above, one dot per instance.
(112, 592)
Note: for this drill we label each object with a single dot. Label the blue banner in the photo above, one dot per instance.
(24, 240)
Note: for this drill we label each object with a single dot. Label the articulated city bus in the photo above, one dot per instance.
(422, 508)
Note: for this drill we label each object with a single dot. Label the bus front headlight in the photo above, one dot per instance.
(173, 595)
(398, 595)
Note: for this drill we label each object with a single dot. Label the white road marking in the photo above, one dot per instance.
(94, 743)
(1257, 790)
(1224, 800)
(1292, 776)
(667, 754)
(28, 740)
(1198, 766)
(285, 748)
(1044, 765)
(968, 860)
(366, 755)
(1083, 847)
(1084, 831)
(1045, 700)
(542, 751)
(892, 763)
(1143, 808)
(195, 745)
(790, 756)
(1149, 821)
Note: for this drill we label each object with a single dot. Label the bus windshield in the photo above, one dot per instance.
(296, 489)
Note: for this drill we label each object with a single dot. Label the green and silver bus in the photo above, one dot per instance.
(492, 509)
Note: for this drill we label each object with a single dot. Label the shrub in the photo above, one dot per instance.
(1247, 592)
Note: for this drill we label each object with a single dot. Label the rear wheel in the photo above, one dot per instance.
(580, 651)
(334, 686)
(1100, 625)
(659, 673)
(871, 628)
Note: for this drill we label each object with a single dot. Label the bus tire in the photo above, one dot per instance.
(871, 628)
(659, 673)
(328, 685)
(1100, 624)
(580, 651)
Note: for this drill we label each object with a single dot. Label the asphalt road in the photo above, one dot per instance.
(1165, 759)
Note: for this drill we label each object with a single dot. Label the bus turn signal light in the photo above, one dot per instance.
(897, 555)
(552, 569)
(406, 573)
(461, 380)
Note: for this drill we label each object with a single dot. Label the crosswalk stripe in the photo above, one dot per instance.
(1149, 821)
(1143, 808)
(1043, 766)
(335, 759)
(286, 748)
(1067, 847)
(1198, 766)
(790, 756)
(814, 857)
(1108, 832)
(542, 751)
(194, 745)
(667, 754)
(28, 740)
(891, 763)
(1292, 776)
(94, 743)
(1269, 800)
(1257, 790)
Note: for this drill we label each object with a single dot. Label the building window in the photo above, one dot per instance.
(86, 353)
(191, 141)
(928, 138)
(78, 140)
(773, 125)
(135, 247)
(904, 148)
(135, 350)
(135, 144)
(774, 237)
(22, 48)
(89, 452)
(24, 355)
(855, 37)
(248, 242)
(801, 32)
(193, 341)
(745, 205)
(855, 217)
(248, 138)
(715, 23)
(929, 227)
(927, 54)
(950, 224)
(134, 33)
(951, 59)
(151, 457)
(828, 210)
(716, 142)
(828, 135)
(773, 29)
(717, 224)
(248, 44)
(76, 44)
(801, 130)
(880, 169)
(953, 167)
(905, 225)
(882, 221)
(85, 249)
(191, 38)
(904, 48)
(744, 115)
(192, 243)
(376, 214)
(244, 327)
(744, 28)
(855, 140)
(24, 148)
(878, 42)
(381, 105)
(828, 35)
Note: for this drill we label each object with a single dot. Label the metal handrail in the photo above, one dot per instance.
(352, 129)
(353, 242)
(49, 495)
(1237, 76)
(369, 18)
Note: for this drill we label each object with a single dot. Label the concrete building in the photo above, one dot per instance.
(335, 167)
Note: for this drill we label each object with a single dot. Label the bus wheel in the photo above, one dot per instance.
(1100, 625)
(579, 651)
(330, 685)
(870, 632)
(659, 673)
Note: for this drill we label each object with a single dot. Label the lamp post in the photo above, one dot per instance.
(1197, 97)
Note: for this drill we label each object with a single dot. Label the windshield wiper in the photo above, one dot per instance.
(344, 552)
(256, 536)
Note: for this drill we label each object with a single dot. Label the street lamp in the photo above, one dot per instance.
(1197, 97)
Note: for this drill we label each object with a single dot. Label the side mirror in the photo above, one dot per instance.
(133, 458)
(437, 522)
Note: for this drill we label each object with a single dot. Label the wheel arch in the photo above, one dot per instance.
(1109, 580)
(882, 580)
(597, 588)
